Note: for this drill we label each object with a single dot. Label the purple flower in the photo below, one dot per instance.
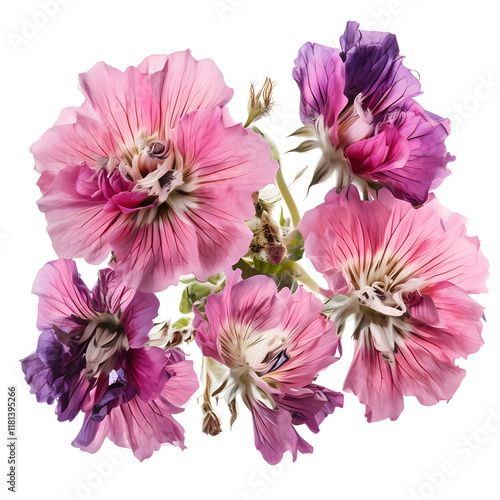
(92, 358)
(358, 104)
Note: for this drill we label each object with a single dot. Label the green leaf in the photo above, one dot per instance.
(181, 323)
(295, 249)
(185, 307)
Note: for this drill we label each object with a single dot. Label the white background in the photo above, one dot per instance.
(455, 50)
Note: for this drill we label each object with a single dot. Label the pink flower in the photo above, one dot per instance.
(358, 105)
(268, 347)
(152, 168)
(92, 358)
(404, 275)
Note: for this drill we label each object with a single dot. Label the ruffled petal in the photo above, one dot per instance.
(181, 84)
(123, 102)
(374, 68)
(311, 405)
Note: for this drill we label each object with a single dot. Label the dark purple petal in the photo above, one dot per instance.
(374, 68)
(311, 405)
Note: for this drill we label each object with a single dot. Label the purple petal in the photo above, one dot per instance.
(319, 73)
(374, 68)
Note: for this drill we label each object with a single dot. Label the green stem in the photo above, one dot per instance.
(301, 275)
(287, 197)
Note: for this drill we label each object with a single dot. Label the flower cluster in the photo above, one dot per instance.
(152, 174)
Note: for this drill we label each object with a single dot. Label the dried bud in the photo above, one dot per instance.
(211, 422)
(267, 241)
(260, 103)
(168, 336)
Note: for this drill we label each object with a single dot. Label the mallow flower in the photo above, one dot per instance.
(267, 347)
(404, 276)
(357, 105)
(151, 170)
(92, 357)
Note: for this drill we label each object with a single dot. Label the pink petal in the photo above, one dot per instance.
(123, 102)
(78, 142)
(313, 340)
(374, 381)
(274, 434)
(182, 84)
(424, 373)
(77, 223)
(63, 296)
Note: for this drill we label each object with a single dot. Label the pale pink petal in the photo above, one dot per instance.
(425, 373)
(457, 330)
(141, 426)
(342, 231)
(83, 141)
(181, 384)
(431, 243)
(77, 222)
(182, 84)
(123, 102)
(374, 381)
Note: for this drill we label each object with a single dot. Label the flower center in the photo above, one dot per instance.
(265, 352)
(153, 165)
(380, 299)
(106, 340)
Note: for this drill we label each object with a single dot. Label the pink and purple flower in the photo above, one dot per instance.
(92, 358)
(152, 168)
(358, 104)
(268, 347)
(404, 276)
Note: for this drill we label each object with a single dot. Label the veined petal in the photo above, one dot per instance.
(374, 381)
(374, 68)
(320, 75)
(77, 223)
(65, 300)
(182, 84)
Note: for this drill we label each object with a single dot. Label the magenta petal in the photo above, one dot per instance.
(145, 371)
(423, 165)
(138, 317)
(274, 433)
